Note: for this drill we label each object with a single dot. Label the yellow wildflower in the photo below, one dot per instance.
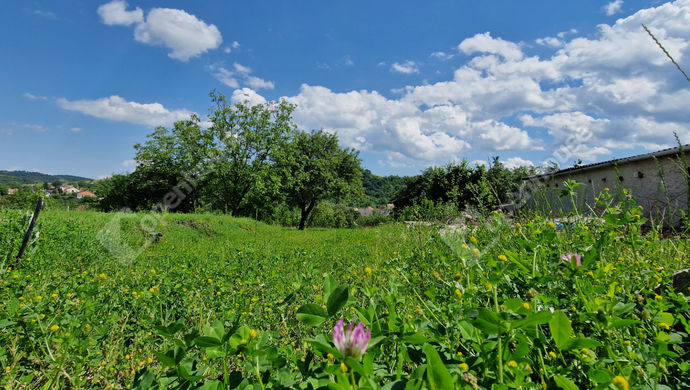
(620, 383)
(463, 366)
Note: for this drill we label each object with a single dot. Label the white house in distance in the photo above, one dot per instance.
(658, 181)
(68, 189)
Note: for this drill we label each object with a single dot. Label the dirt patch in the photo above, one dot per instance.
(201, 227)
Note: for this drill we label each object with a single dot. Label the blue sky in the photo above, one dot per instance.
(409, 84)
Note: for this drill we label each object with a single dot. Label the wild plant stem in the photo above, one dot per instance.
(666, 52)
(258, 373)
(48, 348)
(500, 338)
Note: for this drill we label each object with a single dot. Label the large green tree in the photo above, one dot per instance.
(245, 140)
(314, 168)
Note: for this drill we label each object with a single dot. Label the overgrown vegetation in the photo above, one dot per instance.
(441, 192)
(221, 302)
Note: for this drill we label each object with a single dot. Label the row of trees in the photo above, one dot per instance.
(251, 162)
(461, 186)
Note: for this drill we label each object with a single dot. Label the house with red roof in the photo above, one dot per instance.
(85, 194)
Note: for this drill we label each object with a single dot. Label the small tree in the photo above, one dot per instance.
(314, 168)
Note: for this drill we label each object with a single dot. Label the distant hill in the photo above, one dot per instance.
(379, 190)
(24, 177)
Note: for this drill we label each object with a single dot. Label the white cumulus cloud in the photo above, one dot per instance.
(613, 7)
(247, 96)
(407, 67)
(225, 76)
(240, 74)
(115, 13)
(182, 33)
(515, 162)
(179, 31)
(485, 43)
(259, 83)
(115, 108)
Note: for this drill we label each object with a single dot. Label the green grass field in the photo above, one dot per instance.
(219, 302)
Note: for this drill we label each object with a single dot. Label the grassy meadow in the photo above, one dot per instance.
(220, 302)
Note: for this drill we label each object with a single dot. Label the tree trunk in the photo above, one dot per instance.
(305, 214)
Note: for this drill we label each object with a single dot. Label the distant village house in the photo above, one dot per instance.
(86, 194)
(68, 189)
(369, 211)
(12, 191)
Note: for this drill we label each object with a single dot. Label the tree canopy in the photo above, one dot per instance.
(314, 167)
(254, 161)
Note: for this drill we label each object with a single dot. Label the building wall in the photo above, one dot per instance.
(643, 178)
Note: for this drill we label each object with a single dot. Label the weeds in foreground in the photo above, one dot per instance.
(228, 303)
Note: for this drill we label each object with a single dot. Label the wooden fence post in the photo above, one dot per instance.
(27, 236)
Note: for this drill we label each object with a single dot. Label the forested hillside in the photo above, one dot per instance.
(379, 190)
(25, 177)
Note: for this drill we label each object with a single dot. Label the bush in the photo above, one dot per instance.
(373, 220)
(429, 211)
(327, 214)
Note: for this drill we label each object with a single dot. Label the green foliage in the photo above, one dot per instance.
(459, 185)
(13, 226)
(314, 168)
(379, 190)
(327, 214)
(251, 162)
(225, 303)
(25, 199)
(241, 175)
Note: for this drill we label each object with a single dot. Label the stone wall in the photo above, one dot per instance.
(642, 177)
